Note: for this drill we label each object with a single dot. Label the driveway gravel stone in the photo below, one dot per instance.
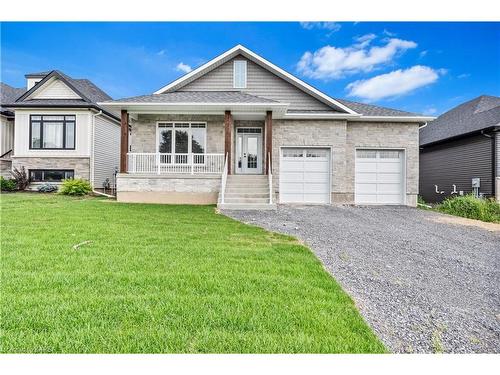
(424, 285)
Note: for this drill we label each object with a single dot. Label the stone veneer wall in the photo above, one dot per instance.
(177, 189)
(81, 166)
(144, 131)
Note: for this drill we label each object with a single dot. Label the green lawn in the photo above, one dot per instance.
(159, 279)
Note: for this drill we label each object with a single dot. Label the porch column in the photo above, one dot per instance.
(269, 140)
(228, 129)
(124, 141)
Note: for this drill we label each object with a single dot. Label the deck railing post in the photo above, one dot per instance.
(158, 162)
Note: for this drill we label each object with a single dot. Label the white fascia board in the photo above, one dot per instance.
(321, 116)
(240, 49)
(396, 118)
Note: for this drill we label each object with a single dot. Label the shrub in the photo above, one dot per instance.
(7, 185)
(472, 208)
(47, 188)
(75, 186)
(21, 178)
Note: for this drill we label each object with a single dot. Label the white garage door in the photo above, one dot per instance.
(305, 175)
(379, 177)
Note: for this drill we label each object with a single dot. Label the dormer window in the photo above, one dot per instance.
(240, 74)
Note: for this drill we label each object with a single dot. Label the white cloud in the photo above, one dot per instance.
(161, 53)
(393, 84)
(331, 26)
(388, 33)
(181, 67)
(464, 75)
(423, 53)
(334, 62)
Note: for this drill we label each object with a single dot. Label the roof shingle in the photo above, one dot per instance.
(197, 97)
(477, 114)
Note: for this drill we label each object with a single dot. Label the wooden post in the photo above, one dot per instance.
(228, 130)
(269, 139)
(124, 141)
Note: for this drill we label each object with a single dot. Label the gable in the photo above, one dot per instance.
(260, 82)
(54, 89)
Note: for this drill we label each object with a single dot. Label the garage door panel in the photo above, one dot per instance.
(389, 167)
(305, 178)
(394, 178)
(366, 177)
(379, 177)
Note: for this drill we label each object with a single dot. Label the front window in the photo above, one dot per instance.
(52, 132)
(240, 74)
(182, 138)
(51, 175)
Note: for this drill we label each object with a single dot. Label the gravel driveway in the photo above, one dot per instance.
(423, 284)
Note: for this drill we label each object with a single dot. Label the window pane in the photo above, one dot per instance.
(69, 174)
(36, 175)
(240, 74)
(70, 118)
(33, 118)
(198, 140)
(35, 135)
(165, 141)
(70, 135)
(54, 175)
(181, 141)
(53, 118)
(53, 135)
(181, 125)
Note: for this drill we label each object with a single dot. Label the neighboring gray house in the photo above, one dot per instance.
(60, 131)
(8, 94)
(462, 144)
(217, 133)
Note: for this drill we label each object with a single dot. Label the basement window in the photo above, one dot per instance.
(50, 175)
(240, 74)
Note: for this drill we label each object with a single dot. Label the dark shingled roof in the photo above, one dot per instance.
(38, 74)
(197, 97)
(477, 114)
(373, 110)
(9, 94)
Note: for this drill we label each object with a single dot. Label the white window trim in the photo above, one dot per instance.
(190, 134)
(244, 85)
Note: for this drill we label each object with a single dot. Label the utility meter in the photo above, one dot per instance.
(476, 182)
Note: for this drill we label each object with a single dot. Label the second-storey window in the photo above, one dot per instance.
(240, 74)
(52, 132)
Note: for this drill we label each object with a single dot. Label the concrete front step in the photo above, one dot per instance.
(246, 200)
(246, 189)
(249, 194)
(246, 206)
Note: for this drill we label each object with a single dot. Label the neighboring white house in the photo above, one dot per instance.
(243, 132)
(61, 132)
(7, 95)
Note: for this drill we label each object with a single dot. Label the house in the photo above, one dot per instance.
(460, 146)
(8, 94)
(243, 132)
(61, 132)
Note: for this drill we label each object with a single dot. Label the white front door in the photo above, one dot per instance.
(379, 177)
(248, 150)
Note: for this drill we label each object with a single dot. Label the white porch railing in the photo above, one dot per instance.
(223, 181)
(270, 179)
(159, 163)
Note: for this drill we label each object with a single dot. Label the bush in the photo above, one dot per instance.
(76, 186)
(21, 178)
(7, 185)
(472, 208)
(47, 188)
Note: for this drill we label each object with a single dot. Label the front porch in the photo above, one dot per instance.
(187, 158)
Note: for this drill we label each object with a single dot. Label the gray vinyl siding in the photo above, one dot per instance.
(456, 162)
(497, 154)
(260, 82)
(106, 150)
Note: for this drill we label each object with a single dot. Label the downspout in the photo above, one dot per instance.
(423, 126)
(493, 166)
(94, 115)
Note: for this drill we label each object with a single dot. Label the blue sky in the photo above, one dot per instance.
(420, 67)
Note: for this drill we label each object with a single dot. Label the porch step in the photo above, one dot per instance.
(246, 206)
(246, 192)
